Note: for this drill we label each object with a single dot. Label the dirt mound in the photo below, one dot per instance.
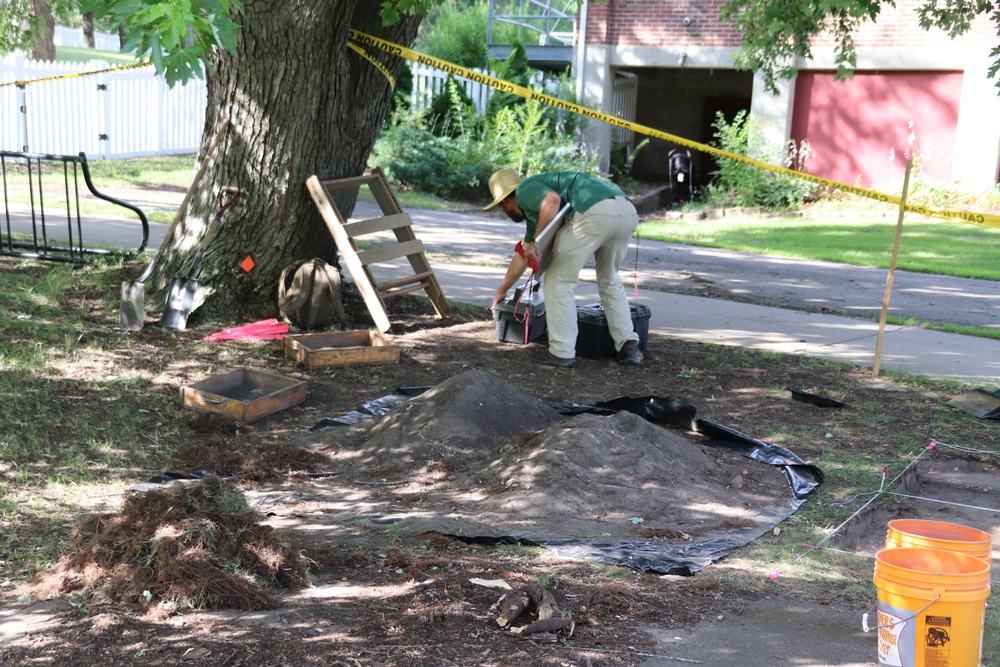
(186, 546)
(451, 430)
(477, 457)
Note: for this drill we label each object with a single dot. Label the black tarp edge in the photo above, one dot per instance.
(685, 559)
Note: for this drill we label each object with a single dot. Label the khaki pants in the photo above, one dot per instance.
(604, 232)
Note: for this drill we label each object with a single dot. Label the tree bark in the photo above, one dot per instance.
(45, 48)
(88, 30)
(300, 103)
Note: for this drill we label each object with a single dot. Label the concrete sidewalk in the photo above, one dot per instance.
(481, 246)
(469, 250)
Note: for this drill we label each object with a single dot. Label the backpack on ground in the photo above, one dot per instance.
(310, 294)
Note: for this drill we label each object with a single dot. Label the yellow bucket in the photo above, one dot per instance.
(931, 607)
(920, 533)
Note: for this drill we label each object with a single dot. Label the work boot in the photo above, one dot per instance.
(550, 359)
(630, 354)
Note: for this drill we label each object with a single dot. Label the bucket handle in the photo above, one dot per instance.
(867, 628)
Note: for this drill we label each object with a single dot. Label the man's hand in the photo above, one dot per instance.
(518, 265)
(498, 299)
(529, 252)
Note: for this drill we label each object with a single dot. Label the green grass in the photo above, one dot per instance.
(174, 170)
(77, 54)
(108, 176)
(414, 199)
(926, 246)
(964, 329)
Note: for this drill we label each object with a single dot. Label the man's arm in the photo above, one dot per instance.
(515, 270)
(546, 212)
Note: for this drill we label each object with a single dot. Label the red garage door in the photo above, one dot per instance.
(862, 130)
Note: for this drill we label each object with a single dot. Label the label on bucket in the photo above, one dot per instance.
(937, 641)
(890, 630)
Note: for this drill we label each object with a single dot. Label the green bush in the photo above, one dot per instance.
(740, 184)
(414, 157)
(563, 121)
(452, 112)
(459, 167)
(400, 101)
(456, 32)
(520, 137)
(515, 70)
(620, 165)
(451, 150)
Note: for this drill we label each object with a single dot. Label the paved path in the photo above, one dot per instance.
(818, 309)
(468, 252)
(808, 285)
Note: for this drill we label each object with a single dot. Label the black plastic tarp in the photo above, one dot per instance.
(678, 559)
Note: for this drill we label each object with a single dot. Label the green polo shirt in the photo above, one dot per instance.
(580, 190)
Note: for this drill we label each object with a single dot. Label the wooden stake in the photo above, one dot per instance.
(892, 270)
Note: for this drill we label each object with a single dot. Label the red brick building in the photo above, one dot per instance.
(914, 92)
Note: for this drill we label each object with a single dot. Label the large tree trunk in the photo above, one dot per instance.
(300, 103)
(88, 30)
(45, 48)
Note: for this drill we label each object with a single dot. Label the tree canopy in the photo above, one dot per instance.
(776, 32)
(15, 25)
(179, 37)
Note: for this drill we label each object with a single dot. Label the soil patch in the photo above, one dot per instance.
(506, 465)
(387, 591)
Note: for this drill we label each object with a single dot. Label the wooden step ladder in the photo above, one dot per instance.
(393, 219)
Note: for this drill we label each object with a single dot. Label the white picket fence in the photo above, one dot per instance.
(103, 41)
(428, 82)
(60, 108)
(114, 114)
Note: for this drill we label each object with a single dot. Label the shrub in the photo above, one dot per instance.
(400, 101)
(456, 34)
(520, 137)
(515, 70)
(412, 156)
(740, 184)
(563, 121)
(452, 112)
(620, 166)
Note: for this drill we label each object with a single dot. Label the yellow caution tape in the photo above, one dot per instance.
(975, 218)
(75, 75)
(379, 66)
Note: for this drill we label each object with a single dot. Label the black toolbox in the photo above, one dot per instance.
(511, 323)
(593, 340)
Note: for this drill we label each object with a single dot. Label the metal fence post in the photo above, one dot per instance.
(22, 105)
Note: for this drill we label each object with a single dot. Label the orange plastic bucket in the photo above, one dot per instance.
(920, 533)
(931, 607)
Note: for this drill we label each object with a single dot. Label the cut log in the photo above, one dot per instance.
(551, 625)
(511, 605)
(544, 601)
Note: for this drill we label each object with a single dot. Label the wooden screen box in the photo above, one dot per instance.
(244, 394)
(341, 348)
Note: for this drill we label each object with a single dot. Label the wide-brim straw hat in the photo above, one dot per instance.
(502, 183)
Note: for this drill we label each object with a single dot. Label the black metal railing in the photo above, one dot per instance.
(32, 230)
